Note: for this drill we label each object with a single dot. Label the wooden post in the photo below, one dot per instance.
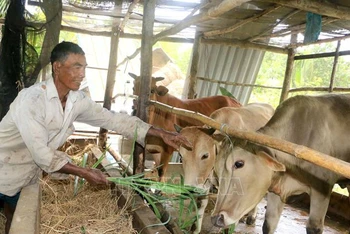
(335, 63)
(112, 69)
(289, 70)
(146, 74)
(194, 67)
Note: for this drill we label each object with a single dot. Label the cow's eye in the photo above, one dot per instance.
(205, 156)
(239, 164)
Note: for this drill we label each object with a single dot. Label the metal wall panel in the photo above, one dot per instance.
(221, 63)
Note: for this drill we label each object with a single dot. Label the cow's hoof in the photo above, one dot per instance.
(218, 220)
(313, 230)
(250, 220)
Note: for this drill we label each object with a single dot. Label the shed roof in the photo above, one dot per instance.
(254, 23)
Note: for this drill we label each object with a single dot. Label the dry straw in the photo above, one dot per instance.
(92, 210)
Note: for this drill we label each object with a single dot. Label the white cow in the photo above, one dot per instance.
(248, 171)
(198, 163)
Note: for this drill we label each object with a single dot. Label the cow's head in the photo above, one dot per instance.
(245, 176)
(155, 90)
(197, 163)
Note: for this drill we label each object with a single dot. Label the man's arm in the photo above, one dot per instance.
(93, 176)
(172, 139)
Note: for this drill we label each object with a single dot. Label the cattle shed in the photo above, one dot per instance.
(229, 39)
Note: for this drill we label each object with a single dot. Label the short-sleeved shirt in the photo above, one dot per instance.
(36, 126)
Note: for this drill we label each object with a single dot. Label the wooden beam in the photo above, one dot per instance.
(237, 84)
(146, 75)
(288, 73)
(323, 41)
(324, 8)
(123, 35)
(221, 8)
(335, 63)
(319, 89)
(294, 29)
(244, 44)
(321, 55)
(26, 218)
(270, 29)
(194, 68)
(240, 23)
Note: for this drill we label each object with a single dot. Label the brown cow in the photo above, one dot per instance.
(167, 120)
(198, 163)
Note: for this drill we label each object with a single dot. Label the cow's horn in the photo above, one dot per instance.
(177, 128)
(133, 75)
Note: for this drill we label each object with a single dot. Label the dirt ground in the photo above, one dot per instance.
(293, 221)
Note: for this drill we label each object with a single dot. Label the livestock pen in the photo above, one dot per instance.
(228, 38)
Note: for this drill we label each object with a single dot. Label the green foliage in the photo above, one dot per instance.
(225, 92)
(306, 73)
(271, 74)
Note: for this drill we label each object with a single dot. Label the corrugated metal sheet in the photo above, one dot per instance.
(221, 63)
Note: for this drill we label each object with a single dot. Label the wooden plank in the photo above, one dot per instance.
(26, 218)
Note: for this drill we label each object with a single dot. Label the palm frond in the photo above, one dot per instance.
(4, 5)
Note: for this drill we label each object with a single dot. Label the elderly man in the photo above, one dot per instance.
(40, 120)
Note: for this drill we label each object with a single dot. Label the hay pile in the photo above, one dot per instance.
(93, 210)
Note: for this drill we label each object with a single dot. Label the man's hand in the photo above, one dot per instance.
(93, 176)
(172, 139)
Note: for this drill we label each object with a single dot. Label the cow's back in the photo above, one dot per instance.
(249, 117)
(319, 122)
(204, 106)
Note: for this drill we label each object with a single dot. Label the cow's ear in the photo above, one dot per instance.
(159, 78)
(218, 137)
(133, 75)
(271, 162)
(162, 90)
(177, 128)
(209, 131)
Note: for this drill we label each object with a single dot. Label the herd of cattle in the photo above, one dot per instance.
(245, 172)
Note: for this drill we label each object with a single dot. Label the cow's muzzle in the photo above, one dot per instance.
(218, 220)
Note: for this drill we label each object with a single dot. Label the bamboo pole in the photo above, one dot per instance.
(289, 70)
(319, 89)
(325, 8)
(335, 63)
(240, 23)
(194, 68)
(299, 151)
(237, 84)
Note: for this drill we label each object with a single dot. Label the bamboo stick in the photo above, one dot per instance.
(299, 151)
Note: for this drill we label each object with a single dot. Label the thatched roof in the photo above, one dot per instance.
(242, 22)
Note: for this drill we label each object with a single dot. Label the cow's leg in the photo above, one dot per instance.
(200, 214)
(318, 208)
(251, 216)
(164, 162)
(273, 213)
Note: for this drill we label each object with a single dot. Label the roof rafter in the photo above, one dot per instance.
(322, 8)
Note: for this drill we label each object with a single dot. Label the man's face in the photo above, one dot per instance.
(70, 73)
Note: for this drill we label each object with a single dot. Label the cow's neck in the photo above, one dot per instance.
(285, 185)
